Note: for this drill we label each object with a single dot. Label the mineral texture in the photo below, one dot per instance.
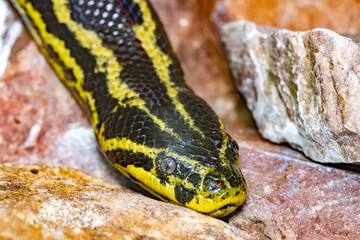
(38, 202)
(289, 197)
(292, 14)
(303, 88)
(292, 199)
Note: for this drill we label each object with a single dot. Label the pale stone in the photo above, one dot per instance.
(303, 88)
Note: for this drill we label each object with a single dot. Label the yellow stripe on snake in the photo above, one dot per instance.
(116, 59)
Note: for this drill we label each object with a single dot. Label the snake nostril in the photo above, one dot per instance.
(213, 184)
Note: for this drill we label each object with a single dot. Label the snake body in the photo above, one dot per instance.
(116, 59)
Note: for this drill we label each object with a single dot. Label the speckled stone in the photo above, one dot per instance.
(39, 202)
(302, 87)
(290, 198)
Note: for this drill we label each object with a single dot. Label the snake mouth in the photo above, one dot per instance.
(225, 210)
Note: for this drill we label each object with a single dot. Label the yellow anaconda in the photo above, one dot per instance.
(117, 61)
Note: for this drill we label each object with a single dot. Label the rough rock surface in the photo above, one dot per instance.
(303, 88)
(293, 14)
(38, 202)
(31, 95)
(289, 198)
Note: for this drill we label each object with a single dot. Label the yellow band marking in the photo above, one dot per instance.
(123, 143)
(106, 64)
(111, 144)
(199, 202)
(224, 146)
(35, 17)
(146, 34)
(149, 180)
(56, 44)
(59, 47)
(112, 70)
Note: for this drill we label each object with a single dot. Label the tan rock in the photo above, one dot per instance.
(65, 138)
(302, 87)
(38, 202)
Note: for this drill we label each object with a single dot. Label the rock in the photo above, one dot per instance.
(289, 198)
(39, 202)
(29, 91)
(302, 87)
(10, 29)
(293, 15)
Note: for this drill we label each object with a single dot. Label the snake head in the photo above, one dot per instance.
(202, 174)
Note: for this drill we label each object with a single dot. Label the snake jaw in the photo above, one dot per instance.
(224, 211)
(221, 201)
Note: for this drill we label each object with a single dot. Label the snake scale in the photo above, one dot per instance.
(117, 61)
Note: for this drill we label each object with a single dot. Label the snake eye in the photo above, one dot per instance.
(168, 165)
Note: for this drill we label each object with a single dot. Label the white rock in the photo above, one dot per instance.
(303, 88)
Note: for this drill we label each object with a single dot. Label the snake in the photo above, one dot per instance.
(116, 60)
